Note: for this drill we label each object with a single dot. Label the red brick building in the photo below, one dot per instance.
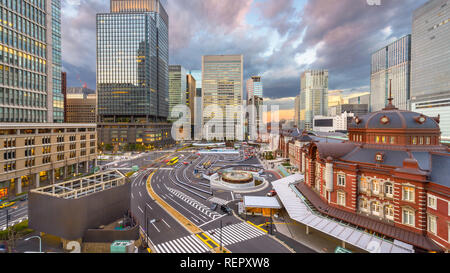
(392, 178)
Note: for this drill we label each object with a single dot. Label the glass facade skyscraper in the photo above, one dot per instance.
(392, 62)
(430, 62)
(313, 96)
(30, 61)
(177, 87)
(222, 87)
(254, 98)
(58, 97)
(132, 62)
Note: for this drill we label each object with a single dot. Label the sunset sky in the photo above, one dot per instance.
(278, 38)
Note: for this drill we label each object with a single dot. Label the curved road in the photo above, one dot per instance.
(178, 187)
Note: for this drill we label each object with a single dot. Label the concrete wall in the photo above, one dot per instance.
(70, 219)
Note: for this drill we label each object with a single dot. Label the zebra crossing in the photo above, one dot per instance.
(13, 223)
(189, 244)
(194, 203)
(235, 233)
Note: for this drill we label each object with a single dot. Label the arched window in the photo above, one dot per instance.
(364, 205)
(409, 217)
(375, 208)
(375, 186)
(389, 189)
(389, 212)
(363, 184)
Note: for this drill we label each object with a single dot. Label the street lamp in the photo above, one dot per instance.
(40, 242)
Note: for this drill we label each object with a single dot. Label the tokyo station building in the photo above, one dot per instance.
(390, 179)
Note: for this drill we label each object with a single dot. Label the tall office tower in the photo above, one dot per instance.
(254, 98)
(190, 95)
(133, 72)
(58, 96)
(198, 109)
(222, 95)
(30, 62)
(297, 111)
(392, 62)
(430, 64)
(313, 96)
(177, 88)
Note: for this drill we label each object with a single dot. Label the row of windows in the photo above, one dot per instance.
(22, 98)
(14, 77)
(23, 24)
(21, 42)
(22, 60)
(22, 115)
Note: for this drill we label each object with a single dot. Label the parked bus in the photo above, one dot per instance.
(173, 161)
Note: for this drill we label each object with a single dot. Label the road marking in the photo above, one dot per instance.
(140, 194)
(235, 233)
(140, 209)
(149, 206)
(213, 220)
(232, 196)
(132, 196)
(207, 240)
(155, 227)
(165, 223)
(257, 226)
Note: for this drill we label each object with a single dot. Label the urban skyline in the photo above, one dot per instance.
(227, 156)
(275, 61)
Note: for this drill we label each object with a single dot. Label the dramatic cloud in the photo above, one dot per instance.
(278, 38)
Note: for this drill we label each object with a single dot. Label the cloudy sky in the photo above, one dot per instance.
(278, 38)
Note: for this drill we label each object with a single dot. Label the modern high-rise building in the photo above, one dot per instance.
(190, 95)
(297, 111)
(222, 96)
(30, 62)
(313, 96)
(177, 88)
(430, 64)
(198, 109)
(255, 101)
(392, 62)
(133, 73)
(37, 148)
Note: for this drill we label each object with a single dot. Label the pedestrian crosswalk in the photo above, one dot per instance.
(13, 223)
(189, 244)
(194, 203)
(218, 201)
(235, 233)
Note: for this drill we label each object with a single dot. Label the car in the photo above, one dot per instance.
(271, 193)
(186, 163)
(213, 206)
(7, 205)
(226, 209)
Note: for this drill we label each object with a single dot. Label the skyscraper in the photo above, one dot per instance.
(222, 94)
(133, 72)
(198, 109)
(254, 99)
(297, 111)
(392, 62)
(313, 96)
(430, 64)
(177, 88)
(33, 135)
(30, 62)
(190, 95)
